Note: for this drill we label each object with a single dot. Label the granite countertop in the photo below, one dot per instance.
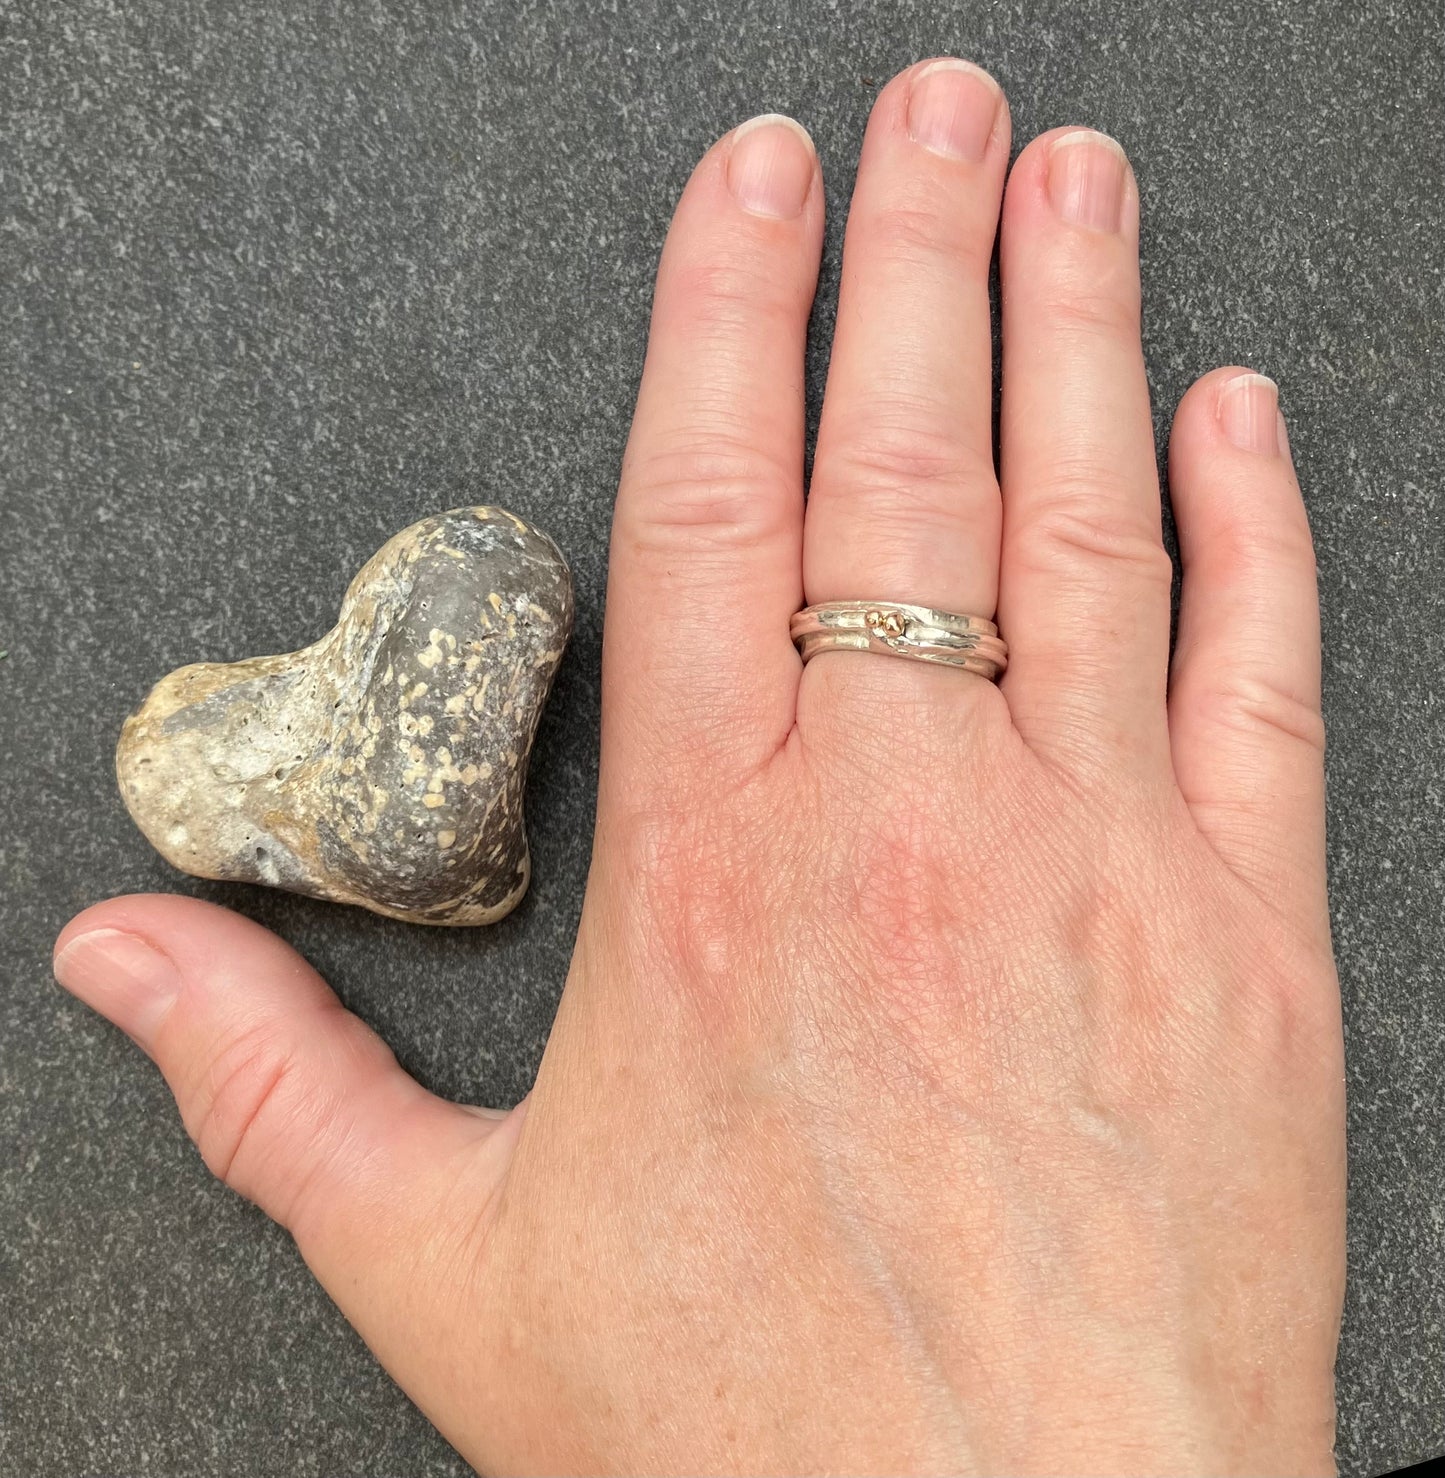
(280, 279)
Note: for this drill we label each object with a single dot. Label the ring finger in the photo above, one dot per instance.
(904, 504)
(1085, 594)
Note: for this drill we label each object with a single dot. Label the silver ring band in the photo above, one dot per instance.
(919, 633)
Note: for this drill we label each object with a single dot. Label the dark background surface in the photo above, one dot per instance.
(279, 279)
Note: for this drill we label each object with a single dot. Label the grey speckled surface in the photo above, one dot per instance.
(278, 280)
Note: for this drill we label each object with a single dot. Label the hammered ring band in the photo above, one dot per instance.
(919, 633)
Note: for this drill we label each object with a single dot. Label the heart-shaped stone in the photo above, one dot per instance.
(383, 765)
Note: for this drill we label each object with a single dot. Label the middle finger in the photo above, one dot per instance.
(904, 504)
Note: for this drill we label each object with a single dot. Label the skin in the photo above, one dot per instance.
(949, 1075)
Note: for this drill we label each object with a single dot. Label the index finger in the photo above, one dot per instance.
(706, 556)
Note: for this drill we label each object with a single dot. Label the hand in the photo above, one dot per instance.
(948, 1076)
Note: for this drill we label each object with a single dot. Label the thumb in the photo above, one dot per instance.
(299, 1106)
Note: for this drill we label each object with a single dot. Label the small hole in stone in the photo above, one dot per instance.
(260, 854)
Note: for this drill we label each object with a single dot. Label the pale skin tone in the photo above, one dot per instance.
(949, 1075)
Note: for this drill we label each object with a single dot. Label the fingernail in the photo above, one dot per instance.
(770, 167)
(127, 980)
(952, 109)
(1249, 413)
(1087, 172)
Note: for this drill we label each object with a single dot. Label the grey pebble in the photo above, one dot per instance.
(384, 764)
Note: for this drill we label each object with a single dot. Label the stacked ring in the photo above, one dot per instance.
(916, 632)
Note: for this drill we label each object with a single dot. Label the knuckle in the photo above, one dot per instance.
(923, 473)
(919, 231)
(1263, 542)
(898, 889)
(723, 298)
(1106, 311)
(1291, 1000)
(1132, 1018)
(1077, 525)
(237, 1099)
(692, 871)
(716, 490)
(1254, 706)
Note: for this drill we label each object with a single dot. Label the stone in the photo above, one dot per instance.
(384, 765)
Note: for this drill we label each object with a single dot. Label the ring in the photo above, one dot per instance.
(916, 632)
